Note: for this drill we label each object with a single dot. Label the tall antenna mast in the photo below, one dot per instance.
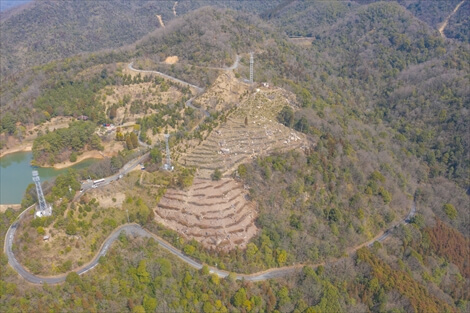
(44, 209)
(167, 166)
(251, 67)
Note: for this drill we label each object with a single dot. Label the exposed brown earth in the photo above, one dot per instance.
(302, 41)
(234, 142)
(4, 207)
(171, 60)
(159, 17)
(217, 214)
(225, 92)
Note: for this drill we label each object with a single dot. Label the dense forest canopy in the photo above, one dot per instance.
(83, 26)
(435, 13)
(58, 145)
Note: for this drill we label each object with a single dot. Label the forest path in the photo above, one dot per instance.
(446, 21)
(174, 8)
(179, 81)
(159, 17)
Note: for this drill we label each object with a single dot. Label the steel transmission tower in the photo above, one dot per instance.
(44, 209)
(251, 67)
(167, 166)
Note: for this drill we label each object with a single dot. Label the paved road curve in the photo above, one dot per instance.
(125, 169)
(137, 230)
(199, 89)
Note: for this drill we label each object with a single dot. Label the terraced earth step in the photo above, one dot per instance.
(211, 212)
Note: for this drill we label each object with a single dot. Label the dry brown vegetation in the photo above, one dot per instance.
(65, 251)
(449, 243)
(225, 92)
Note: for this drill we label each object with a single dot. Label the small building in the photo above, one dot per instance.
(45, 238)
(82, 118)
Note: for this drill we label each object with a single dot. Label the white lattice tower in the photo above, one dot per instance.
(251, 67)
(167, 165)
(43, 209)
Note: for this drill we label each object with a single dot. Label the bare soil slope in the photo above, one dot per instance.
(215, 213)
(251, 130)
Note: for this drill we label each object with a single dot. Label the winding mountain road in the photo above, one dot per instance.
(179, 81)
(137, 230)
(189, 103)
(124, 170)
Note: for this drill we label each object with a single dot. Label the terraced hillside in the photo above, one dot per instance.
(217, 214)
(250, 131)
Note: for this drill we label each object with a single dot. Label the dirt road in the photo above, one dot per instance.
(446, 21)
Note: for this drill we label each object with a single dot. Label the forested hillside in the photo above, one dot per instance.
(376, 59)
(305, 18)
(435, 13)
(72, 27)
(389, 60)
(459, 24)
(380, 97)
(65, 143)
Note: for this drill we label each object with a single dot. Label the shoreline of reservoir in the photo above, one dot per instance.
(94, 154)
(21, 148)
(16, 169)
(4, 207)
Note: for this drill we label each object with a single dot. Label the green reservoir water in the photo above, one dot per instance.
(16, 175)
